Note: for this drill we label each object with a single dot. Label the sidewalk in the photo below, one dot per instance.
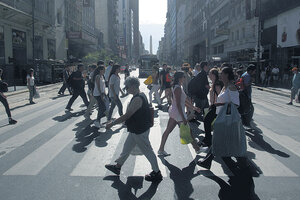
(24, 89)
(278, 91)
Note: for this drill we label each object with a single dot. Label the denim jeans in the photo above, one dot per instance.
(115, 102)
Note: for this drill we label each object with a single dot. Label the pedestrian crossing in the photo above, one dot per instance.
(91, 164)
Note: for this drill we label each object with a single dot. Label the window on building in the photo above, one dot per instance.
(215, 50)
(59, 17)
(232, 36)
(237, 35)
(221, 48)
(253, 30)
(243, 32)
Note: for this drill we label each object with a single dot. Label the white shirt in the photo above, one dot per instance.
(227, 96)
(115, 81)
(31, 80)
(98, 91)
(107, 72)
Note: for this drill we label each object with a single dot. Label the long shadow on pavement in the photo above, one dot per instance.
(133, 182)
(22, 106)
(181, 178)
(239, 187)
(68, 115)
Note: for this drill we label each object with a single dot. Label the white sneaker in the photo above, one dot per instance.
(97, 124)
(202, 149)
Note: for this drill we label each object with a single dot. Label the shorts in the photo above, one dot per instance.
(294, 92)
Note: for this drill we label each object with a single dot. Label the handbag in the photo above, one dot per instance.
(185, 134)
(229, 137)
(36, 93)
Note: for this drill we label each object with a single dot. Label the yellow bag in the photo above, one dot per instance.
(148, 81)
(185, 134)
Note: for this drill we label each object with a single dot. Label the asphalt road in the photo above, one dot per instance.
(54, 155)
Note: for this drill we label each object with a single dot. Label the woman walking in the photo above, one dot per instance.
(214, 91)
(155, 87)
(31, 86)
(228, 94)
(99, 93)
(114, 90)
(177, 113)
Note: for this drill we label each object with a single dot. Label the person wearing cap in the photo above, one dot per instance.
(296, 84)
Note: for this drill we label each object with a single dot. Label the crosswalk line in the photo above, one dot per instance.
(275, 108)
(20, 139)
(259, 111)
(268, 165)
(140, 167)
(93, 162)
(46, 153)
(31, 116)
(283, 140)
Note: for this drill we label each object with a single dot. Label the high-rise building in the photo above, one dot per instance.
(151, 52)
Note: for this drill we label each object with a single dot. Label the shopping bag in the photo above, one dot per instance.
(185, 134)
(36, 93)
(136, 151)
(148, 81)
(229, 137)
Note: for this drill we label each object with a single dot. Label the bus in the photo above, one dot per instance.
(146, 63)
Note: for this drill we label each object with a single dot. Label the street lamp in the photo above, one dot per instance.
(33, 56)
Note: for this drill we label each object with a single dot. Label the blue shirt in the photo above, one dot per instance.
(296, 80)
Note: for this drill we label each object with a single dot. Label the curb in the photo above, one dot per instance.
(26, 90)
(281, 93)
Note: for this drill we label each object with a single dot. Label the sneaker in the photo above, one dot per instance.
(290, 103)
(202, 149)
(113, 168)
(163, 153)
(69, 109)
(154, 176)
(31, 102)
(12, 121)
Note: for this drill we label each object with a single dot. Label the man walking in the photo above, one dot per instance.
(296, 84)
(138, 121)
(247, 81)
(66, 74)
(77, 84)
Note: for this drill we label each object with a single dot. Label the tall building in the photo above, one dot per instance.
(151, 52)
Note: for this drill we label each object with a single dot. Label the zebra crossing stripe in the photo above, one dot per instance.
(267, 164)
(25, 136)
(30, 116)
(259, 111)
(275, 108)
(283, 140)
(93, 162)
(41, 157)
(140, 168)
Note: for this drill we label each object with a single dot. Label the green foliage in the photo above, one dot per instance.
(103, 54)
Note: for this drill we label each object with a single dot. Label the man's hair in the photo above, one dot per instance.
(93, 66)
(203, 64)
(132, 81)
(164, 65)
(251, 67)
(110, 62)
(100, 62)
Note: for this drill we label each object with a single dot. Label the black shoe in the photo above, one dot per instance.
(154, 176)
(206, 163)
(12, 121)
(290, 103)
(31, 102)
(159, 107)
(69, 109)
(113, 168)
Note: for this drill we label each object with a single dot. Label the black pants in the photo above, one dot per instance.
(101, 107)
(5, 103)
(114, 103)
(76, 93)
(209, 118)
(246, 118)
(63, 88)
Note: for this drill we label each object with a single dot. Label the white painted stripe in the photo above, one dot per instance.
(41, 157)
(142, 165)
(283, 140)
(31, 116)
(275, 108)
(92, 164)
(94, 161)
(20, 139)
(259, 111)
(268, 165)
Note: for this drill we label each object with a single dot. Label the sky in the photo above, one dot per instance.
(152, 20)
